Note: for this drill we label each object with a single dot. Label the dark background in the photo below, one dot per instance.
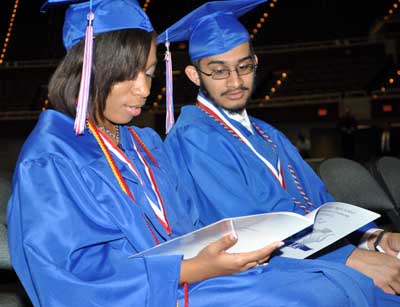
(37, 36)
(337, 53)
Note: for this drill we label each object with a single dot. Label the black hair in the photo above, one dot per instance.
(117, 56)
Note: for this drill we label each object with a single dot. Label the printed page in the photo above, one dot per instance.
(333, 221)
(253, 232)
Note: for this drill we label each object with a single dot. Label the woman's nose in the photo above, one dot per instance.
(142, 85)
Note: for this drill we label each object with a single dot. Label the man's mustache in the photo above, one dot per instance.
(241, 88)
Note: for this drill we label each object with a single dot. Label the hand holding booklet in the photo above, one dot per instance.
(326, 224)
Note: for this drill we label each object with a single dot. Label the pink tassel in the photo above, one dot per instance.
(83, 99)
(169, 122)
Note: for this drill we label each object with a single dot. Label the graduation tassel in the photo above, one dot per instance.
(169, 121)
(83, 98)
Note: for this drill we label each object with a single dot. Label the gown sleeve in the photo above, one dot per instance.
(66, 249)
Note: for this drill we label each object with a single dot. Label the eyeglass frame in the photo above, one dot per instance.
(229, 71)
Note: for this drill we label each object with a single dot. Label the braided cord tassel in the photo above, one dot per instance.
(169, 121)
(83, 98)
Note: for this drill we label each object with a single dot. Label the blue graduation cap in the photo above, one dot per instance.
(48, 4)
(109, 16)
(212, 28)
(83, 20)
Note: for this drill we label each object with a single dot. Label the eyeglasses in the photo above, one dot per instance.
(224, 73)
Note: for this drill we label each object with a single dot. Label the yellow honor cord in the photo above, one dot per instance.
(110, 160)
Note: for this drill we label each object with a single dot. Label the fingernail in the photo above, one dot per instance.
(280, 244)
(233, 237)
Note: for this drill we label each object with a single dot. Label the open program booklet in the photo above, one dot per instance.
(330, 222)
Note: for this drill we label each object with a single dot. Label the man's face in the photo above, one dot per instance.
(233, 92)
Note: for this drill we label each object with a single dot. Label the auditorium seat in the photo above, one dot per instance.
(12, 293)
(349, 181)
(387, 172)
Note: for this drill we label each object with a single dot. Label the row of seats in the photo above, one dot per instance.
(375, 186)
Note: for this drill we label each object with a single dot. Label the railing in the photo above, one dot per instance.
(318, 45)
(298, 100)
(29, 64)
(19, 115)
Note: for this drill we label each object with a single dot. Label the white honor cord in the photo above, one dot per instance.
(276, 172)
(157, 210)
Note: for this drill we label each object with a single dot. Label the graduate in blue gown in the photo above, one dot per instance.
(86, 197)
(236, 164)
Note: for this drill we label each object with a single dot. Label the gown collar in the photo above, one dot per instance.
(242, 117)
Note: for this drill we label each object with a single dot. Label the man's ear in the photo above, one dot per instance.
(192, 73)
(255, 59)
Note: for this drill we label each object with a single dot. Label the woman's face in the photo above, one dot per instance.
(127, 98)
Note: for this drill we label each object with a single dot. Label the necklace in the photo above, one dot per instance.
(113, 135)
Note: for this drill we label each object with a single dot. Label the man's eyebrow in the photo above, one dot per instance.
(216, 62)
(225, 63)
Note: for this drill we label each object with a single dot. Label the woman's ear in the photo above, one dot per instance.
(192, 73)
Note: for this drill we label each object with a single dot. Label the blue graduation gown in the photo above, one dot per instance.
(228, 179)
(72, 229)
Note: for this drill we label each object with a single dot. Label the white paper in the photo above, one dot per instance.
(333, 221)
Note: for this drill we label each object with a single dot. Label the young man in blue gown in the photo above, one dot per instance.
(236, 164)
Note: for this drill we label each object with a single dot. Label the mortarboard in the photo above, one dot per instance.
(212, 28)
(109, 16)
(85, 19)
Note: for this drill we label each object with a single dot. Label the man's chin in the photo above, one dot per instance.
(236, 110)
(235, 107)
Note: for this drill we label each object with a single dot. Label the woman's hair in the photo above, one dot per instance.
(117, 56)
